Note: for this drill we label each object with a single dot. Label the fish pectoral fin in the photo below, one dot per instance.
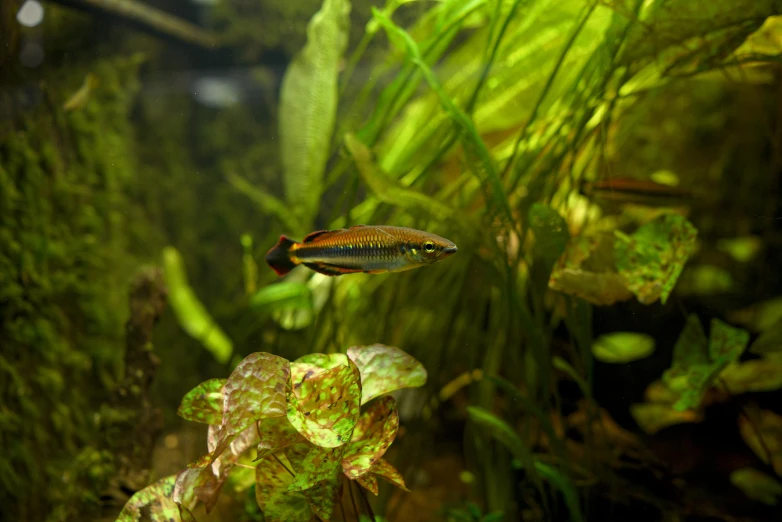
(331, 270)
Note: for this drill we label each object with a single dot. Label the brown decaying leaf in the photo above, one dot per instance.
(256, 389)
(374, 433)
(652, 417)
(763, 434)
(385, 369)
(273, 477)
(275, 434)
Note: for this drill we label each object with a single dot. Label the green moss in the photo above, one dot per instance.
(63, 291)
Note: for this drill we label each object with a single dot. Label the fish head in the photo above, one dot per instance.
(428, 248)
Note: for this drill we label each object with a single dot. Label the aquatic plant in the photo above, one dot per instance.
(312, 439)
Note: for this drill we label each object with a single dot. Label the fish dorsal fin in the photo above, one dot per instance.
(320, 234)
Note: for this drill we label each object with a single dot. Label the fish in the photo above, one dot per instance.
(641, 191)
(361, 248)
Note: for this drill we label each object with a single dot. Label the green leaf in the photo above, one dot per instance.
(763, 434)
(200, 484)
(759, 317)
(374, 433)
(651, 417)
(324, 496)
(275, 434)
(651, 260)
(189, 311)
(385, 369)
(266, 202)
(622, 347)
(308, 108)
(758, 375)
(726, 343)
(503, 432)
(273, 476)
(284, 293)
(368, 482)
(325, 408)
(551, 234)
(757, 485)
(204, 403)
(255, 390)
(389, 190)
(155, 499)
(318, 465)
(769, 342)
(388, 472)
(554, 477)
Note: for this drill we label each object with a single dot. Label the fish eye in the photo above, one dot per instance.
(429, 247)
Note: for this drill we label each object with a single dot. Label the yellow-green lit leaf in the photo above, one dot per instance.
(325, 408)
(324, 496)
(760, 316)
(742, 249)
(622, 347)
(704, 280)
(255, 390)
(368, 482)
(385, 369)
(275, 434)
(757, 485)
(284, 293)
(374, 433)
(273, 475)
(154, 499)
(692, 370)
(318, 465)
(759, 375)
(204, 403)
(190, 312)
(651, 260)
(308, 108)
(389, 190)
(763, 434)
(652, 417)
(388, 472)
(551, 234)
(769, 342)
(314, 364)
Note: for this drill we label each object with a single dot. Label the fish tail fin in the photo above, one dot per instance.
(280, 258)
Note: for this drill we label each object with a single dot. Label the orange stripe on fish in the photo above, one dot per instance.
(361, 248)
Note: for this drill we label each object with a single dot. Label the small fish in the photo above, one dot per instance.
(361, 248)
(644, 192)
(80, 97)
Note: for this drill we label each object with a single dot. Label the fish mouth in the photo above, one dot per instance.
(450, 250)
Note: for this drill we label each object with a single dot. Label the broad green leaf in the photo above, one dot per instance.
(651, 260)
(308, 109)
(374, 433)
(154, 499)
(200, 484)
(368, 482)
(763, 434)
(190, 312)
(759, 317)
(255, 390)
(622, 347)
(204, 403)
(324, 496)
(551, 234)
(314, 364)
(726, 343)
(742, 249)
(385, 369)
(388, 190)
(275, 434)
(388, 472)
(652, 417)
(273, 476)
(325, 408)
(318, 465)
(757, 485)
(769, 342)
(284, 293)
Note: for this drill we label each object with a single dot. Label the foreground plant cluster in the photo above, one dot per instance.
(305, 421)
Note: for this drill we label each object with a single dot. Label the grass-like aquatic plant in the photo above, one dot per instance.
(305, 421)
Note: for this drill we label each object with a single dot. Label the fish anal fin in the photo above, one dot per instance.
(378, 271)
(331, 270)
